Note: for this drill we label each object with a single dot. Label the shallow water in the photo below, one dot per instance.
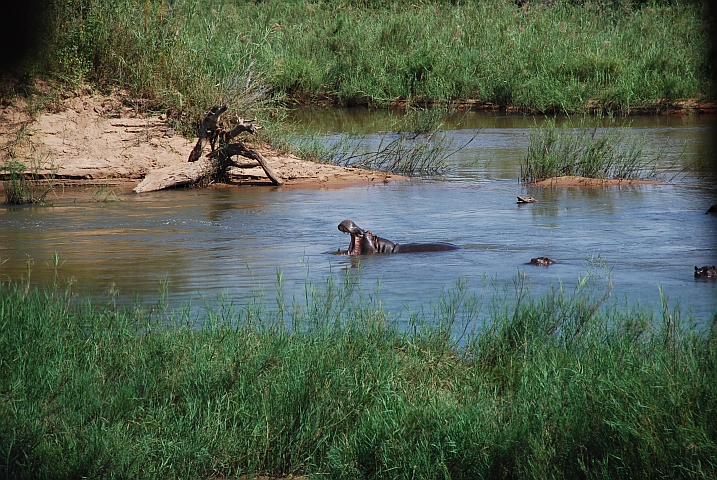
(235, 242)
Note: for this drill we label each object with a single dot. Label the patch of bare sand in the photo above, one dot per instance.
(94, 139)
(572, 181)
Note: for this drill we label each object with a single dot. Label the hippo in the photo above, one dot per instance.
(542, 261)
(363, 242)
(706, 272)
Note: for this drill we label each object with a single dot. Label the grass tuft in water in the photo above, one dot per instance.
(561, 385)
(611, 153)
(22, 187)
(417, 146)
(402, 152)
(23, 181)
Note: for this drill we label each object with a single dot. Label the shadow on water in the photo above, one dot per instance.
(237, 242)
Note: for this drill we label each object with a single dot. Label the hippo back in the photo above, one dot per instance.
(424, 247)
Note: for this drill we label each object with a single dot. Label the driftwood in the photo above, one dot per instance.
(209, 129)
(174, 176)
(233, 149)
(216, 163)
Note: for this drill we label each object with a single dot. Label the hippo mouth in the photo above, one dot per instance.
(347, 226)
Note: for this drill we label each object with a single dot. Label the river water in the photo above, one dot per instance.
(215, 245)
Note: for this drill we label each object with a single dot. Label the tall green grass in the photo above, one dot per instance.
(416, 146)
(403, 152)
(562, 385)
(21, 179)
(611, 153)
(566, 57)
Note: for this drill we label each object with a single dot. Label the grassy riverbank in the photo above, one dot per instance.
(557, 386)
(568, 57)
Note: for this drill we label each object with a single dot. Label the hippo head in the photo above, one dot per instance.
(364, 242)
(542, 261)
(361, 240)
(706, 272)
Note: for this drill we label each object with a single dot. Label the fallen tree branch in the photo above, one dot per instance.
(232, 149)
(174, 176)
(209, 129)
(214, 165)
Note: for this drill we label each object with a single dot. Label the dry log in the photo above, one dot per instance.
(174, 176)
(253, 154)
(239, 149)
(209, 129)
(241, 127)
(192, 173)
(215, 163)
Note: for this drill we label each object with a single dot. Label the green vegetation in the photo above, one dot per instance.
(403, 152)
(102, 193)
(561, 385)
(612, 153)
(415, 146)
(571, 56)
(24, 183)
(179, 57)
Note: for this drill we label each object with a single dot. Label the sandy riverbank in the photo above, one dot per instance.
(95, 139)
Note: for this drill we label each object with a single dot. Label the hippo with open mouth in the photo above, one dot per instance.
(363, 242)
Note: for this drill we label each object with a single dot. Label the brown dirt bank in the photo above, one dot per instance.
(572, 181)
(662, 107)
(94, 139)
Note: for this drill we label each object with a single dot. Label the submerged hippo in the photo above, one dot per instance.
(543, 261)
(364, 242)
(706, 272)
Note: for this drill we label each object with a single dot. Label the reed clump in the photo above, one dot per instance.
(560, 385)
(416, 146)
(23, 181)
(402, 152)
(609, 153)
(22, 187)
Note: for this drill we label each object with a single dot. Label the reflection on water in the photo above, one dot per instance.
(315, 119)
(687, 137)
(235, 241)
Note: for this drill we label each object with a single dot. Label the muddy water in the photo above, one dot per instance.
(233, 243)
